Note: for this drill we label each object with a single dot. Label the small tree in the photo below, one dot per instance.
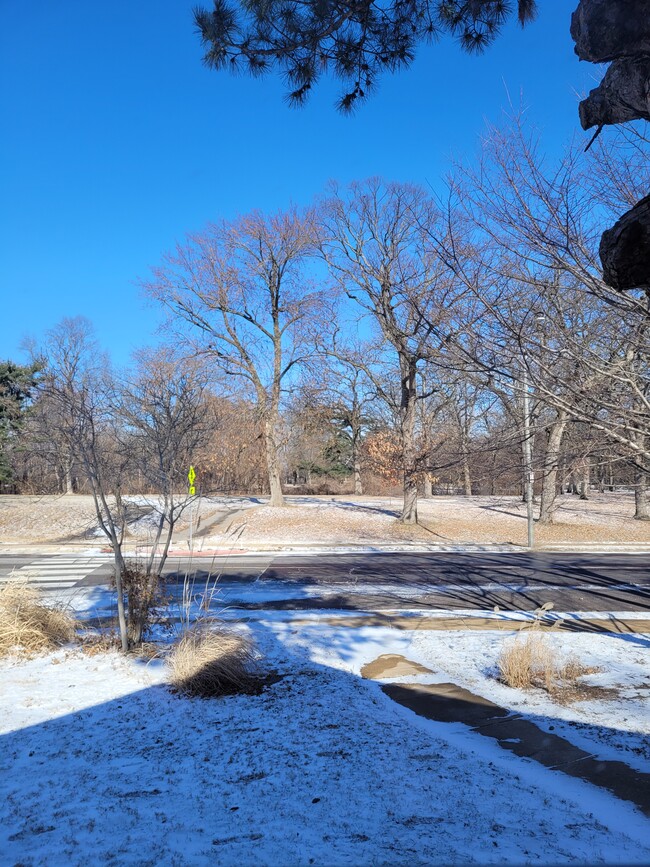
(340, 396)
(163, 424)
(77, 379)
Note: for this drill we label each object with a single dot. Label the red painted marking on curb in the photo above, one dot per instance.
(210, 553)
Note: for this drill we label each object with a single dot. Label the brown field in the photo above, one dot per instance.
(249, 523)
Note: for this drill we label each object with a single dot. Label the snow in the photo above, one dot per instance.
(447, 521)
(100, 763)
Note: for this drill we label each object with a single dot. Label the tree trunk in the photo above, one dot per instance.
(114, 535)
(67, 478)
(428, 488)
(493, 475)
(358, 486)
(641, 505)
(119, 591)
(410, 508)
(585, 481)
(273, 463)
(551, 465)
(467, 478)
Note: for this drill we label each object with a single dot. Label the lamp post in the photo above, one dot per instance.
(529, 474)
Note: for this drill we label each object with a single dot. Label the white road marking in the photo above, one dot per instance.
(55, 573)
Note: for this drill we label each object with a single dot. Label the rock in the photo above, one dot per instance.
(604, 30)
(619, 31)
(622, 95)
(625, 249)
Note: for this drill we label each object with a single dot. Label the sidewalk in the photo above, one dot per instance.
(314, 548)
(450, 703)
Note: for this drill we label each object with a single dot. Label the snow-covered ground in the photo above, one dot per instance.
(443, 520)
(236, 522)
(100, 763)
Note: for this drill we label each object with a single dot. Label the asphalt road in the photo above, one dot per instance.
(513, 581)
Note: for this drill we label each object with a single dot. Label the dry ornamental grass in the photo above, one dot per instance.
(213, 661)
(531, 662)
(29, 626)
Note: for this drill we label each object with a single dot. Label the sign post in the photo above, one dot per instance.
(191, 478)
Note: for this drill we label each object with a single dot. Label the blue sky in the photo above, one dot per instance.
(117, 141)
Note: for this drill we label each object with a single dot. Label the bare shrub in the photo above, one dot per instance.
(213, 661)
(144, 592)
(531, 662)
(94, 643)
(28, 625)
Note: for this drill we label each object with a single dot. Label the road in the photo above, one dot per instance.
(444, 581)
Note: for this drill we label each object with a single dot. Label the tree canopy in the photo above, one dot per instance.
(355, 40)
(16, 386)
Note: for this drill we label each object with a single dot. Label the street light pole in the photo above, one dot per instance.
(529, 475)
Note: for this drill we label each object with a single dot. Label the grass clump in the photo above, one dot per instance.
(524, 662)
(29, 626)
(532, 663)
(213, 661)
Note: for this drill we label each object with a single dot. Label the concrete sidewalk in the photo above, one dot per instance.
(450, 703)
(613, 624)
(183, 550)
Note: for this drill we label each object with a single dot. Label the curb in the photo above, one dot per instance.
(315, 548)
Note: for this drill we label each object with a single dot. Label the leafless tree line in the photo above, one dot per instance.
(386, 338)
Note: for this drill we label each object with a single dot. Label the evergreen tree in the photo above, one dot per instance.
(16, 386)
(356, 40)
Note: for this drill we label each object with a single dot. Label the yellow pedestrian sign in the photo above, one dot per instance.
(191, 478)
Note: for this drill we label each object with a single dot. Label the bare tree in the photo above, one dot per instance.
(528, 249)
(233, 459)
(377, 252)
(237, 294)
(161, 411)
(341, 393)
(77, 380)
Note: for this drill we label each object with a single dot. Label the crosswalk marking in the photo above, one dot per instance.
(55, 573)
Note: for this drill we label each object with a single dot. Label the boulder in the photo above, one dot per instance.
(625, 249)
(623, 94)
(604, 30)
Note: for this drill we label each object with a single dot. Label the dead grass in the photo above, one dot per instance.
(212, 661)
(531, 662)
(28, 626)
(342, 520)
(94, 643)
